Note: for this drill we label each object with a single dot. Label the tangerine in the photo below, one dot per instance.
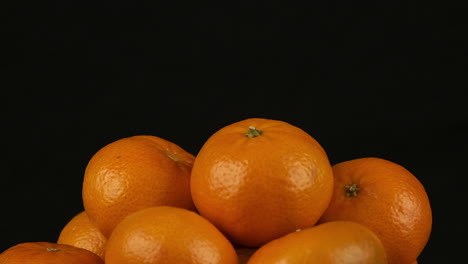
(388, 199)
(48, 253)
(166, 234)
(337, 242)
(259, 179)
(134, 173)
(80, 232)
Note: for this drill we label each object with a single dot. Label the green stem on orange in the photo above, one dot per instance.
(351, 190)
(253, 132)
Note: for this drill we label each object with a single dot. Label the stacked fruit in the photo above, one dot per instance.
(258, 191)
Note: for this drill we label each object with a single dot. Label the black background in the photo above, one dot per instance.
(380, 79)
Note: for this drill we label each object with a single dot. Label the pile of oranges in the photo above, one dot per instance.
(259, 191)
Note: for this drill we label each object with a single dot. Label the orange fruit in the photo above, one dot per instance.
(388, 199)
(166, 234)
(80, 232)
(335, 242)
(259, 179)
(48, 253)
(134, 173)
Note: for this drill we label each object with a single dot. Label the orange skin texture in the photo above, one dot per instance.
(48, 253)
(134, 173)
(391, 201)
(258, 189)
(338, 242)
(169, 235)
(80, 232)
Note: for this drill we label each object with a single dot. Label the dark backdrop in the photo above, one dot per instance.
(364, 80)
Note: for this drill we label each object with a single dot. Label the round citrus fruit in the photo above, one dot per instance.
(388, 199)
(134, 173)
(258, 179)
(80, 232)
(48, 253)
(337, 242)
(166, 234)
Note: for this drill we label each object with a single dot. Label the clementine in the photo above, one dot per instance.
(388, 199)
(166, 234)
(134, 173)
(259, 179)
(48, 253)
(335, 242)
(80, 232)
